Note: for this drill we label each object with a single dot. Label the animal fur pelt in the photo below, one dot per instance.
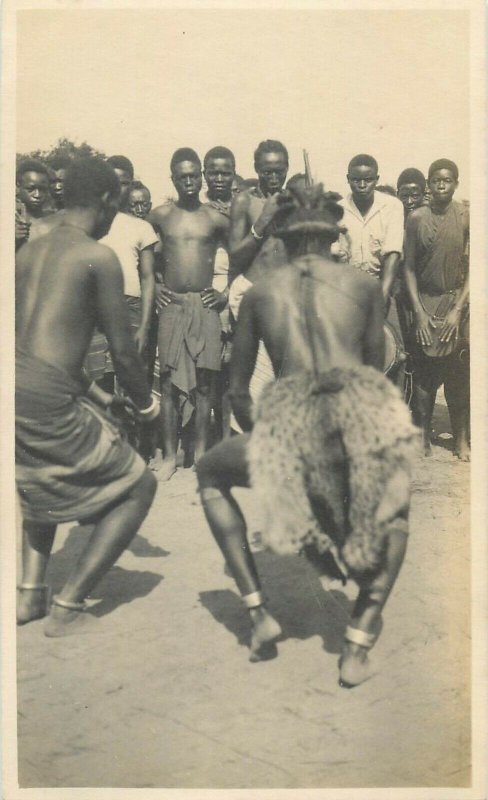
(330, 460)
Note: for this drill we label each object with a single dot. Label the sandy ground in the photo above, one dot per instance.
(165, 696)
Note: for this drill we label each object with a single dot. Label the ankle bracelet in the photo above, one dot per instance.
(361, 638)
(32, 587)
(66, 604)
(253, 600)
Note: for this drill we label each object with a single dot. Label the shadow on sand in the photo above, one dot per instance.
(295, 597)
(119, 586)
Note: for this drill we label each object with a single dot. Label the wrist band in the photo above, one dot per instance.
(256, 235)
(152, 410)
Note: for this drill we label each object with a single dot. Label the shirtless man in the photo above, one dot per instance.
(253, 212)
(32, 180)
(219, 169)
(189, 324)
(71, 461)
(321, 323)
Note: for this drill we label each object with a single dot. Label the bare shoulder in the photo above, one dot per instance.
(240, 203)
(253, 296)
(160, 213)
(99, 256)
(364, 285)
(216, 219)
(417, 215)
(211, 212)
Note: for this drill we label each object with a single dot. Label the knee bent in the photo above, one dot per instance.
(145, 489)
(205, 476)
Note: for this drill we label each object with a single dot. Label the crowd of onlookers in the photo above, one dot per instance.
(188, 263)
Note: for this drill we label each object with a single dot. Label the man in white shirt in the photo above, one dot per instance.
(374, 239)
(374, 222)
(133, 241)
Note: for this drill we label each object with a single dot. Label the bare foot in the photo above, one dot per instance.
(166, 470)
(32, 603)
(462, 452)
(156, 461)
(265, 632)
(68, 622)
(354, 666)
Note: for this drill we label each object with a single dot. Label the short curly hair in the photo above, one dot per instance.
(269, 146)
(87, 179)
(30, 165)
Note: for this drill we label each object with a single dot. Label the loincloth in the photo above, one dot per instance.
(71, 460)
(188, 339)
(330, 460)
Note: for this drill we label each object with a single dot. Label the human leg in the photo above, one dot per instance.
(366, 616)
(397, 373)
(457, 394)
(221, 468)
(424, 403)
(225, 405)
(112, 533)
(205, 394)
(37, 542)
(428, 376)
(169, 422)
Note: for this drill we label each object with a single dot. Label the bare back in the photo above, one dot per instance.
(312, 314)
(66, 283)
(189, 243)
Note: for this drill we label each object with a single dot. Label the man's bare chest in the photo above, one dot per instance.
(189, 228)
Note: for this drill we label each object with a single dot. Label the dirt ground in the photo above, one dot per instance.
(164, 695)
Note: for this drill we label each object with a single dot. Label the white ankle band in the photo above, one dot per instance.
(253, 600)
(66, 604)
(32, 587)
(355, 636)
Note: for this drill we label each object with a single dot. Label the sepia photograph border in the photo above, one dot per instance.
(478, 301)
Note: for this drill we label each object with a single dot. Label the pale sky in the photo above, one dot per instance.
(141, 83)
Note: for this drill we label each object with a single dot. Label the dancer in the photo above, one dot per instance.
(329, 455)
(71, 461)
